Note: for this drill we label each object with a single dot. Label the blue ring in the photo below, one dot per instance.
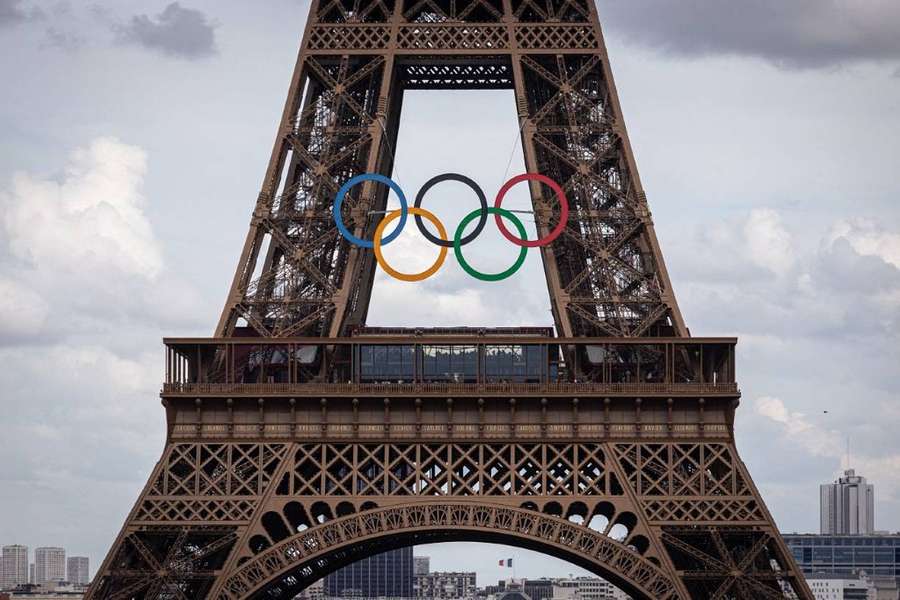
(339, 200)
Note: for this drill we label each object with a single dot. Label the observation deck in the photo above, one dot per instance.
(456, 383)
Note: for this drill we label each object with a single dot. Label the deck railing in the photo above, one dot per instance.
(449, 389)
(455, 365)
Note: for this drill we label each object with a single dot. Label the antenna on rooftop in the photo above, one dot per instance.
(848, 452)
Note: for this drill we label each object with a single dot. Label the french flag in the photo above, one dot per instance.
(506, 562)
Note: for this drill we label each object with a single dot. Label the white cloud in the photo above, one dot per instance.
(82, 255)
(22, 311)
(867, 238)
(798, 429)
(769, 244)
(92, 221)
(882, 470)
(812, 438)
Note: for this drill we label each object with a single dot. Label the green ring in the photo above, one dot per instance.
(457, 244)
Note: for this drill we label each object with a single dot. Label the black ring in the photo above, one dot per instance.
(462, 179)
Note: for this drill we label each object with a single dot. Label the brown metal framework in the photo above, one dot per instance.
(299, 440)
(297, 276)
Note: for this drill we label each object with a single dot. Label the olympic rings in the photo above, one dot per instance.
(458, 240)
(457, 245)
(418, 212)
(339, 199)
(462, 179)
(563, 210)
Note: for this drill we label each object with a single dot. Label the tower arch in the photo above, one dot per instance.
(292, 564)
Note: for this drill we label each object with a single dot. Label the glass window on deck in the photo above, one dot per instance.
(514, 363)
(458, 364)
(387, 364)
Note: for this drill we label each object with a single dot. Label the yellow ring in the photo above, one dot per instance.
(405, 276)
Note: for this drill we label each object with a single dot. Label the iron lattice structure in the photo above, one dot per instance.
(300, 441)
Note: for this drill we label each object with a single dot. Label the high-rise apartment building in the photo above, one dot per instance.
(78, 570)
(13, 567)
(49, 565)
(421, 565)
(388, 575)
(847, 506)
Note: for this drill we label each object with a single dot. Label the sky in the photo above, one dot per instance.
(133, 140)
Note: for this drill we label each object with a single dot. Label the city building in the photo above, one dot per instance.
(445, 586)
(884, 588)
(538, 589)
(388, 575)
(492, 591)
(846, 555)
(836, 587)
(31, 573)
(514, 590)
(513, 594)
(566, 588)
(586, 588)
(32, 592)
(78, 570)
(421, 565)
(847, 506)
(829, 587)
(314, 592)
(49, 565)
(13, 567)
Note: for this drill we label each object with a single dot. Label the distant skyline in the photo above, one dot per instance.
(40, 564)
(133, 140)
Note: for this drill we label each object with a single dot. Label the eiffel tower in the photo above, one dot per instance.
(608, 442)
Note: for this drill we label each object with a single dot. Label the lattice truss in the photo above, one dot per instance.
(607, 264)
(733, 563)
(675, 482)
(551, 11)
(295, 270)
(177, 563)
(449, 470)
(456, 75)
(440, 11)
(210, 482)
(453, 37)
(354, 11)
(689, 483)
(291, 513)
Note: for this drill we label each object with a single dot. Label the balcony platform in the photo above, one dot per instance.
(450, 366)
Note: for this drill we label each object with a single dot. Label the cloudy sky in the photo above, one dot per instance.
(133, 138)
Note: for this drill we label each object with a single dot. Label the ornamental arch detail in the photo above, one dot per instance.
(293, 563)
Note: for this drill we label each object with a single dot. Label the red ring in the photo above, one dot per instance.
(563, 213)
